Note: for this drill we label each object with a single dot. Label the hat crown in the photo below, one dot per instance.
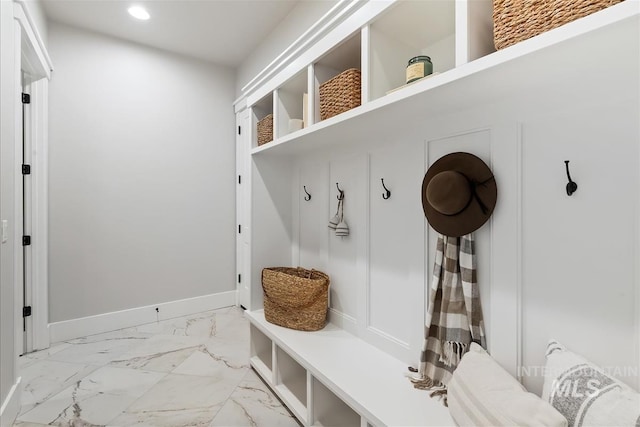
(449, 192)
(459, 194)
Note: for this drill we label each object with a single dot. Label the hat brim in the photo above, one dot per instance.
(472, 217)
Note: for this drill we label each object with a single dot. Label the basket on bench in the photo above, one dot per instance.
(295, 298)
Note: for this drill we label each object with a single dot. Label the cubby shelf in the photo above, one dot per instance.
(410, 29)
(480, 82)
(329, 410)
(261, 352)
(291, 383)
(345, 388)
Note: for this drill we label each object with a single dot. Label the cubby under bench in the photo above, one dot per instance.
(332, 378)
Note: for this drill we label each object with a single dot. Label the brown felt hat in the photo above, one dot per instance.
(459, 194)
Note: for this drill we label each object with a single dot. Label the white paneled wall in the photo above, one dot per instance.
(579, 284)
(380, 273)
(347, 254)
(314, 216)
(549, 265)
(271, 206)
(396, 248)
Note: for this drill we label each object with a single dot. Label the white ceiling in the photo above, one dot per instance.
(221, 31)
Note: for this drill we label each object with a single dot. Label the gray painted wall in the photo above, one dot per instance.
(142, 176)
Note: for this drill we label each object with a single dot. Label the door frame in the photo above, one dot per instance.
(34, 64)
(243, 205)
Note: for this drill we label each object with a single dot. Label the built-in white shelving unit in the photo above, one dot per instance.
(351, 372)
(482, 81)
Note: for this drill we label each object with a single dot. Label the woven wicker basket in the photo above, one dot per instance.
(295, 298)
(340, 94)
(265, 130)
(518, 20)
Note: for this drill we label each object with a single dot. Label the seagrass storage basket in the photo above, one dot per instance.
(265, 130)
(340, 94)
(295, 298)
(518, 20)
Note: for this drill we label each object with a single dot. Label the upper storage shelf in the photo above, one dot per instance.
(344, 57)
(407, 30)
(261, 110)
(290, 105)
(605, 42)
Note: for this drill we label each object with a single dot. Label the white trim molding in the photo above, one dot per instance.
(34, 36)
(90, 325)
(338, 13)
(11, 405)
(40, 213)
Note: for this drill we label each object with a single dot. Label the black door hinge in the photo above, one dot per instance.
(239, 130)
(239, 278)
(26, 311)
(26, 169)
(239, 179)
(239, 228)
(26, 240)
(26, 98)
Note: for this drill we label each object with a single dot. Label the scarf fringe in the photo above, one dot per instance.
(441, 395)
(425, 383)
(437, 389)
(452, 352)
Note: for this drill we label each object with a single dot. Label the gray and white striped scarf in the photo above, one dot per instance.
(454, 315)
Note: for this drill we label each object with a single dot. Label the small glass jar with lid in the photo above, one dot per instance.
(419, 67)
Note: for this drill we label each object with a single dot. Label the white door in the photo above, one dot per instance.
(26, 193)
(242, 209)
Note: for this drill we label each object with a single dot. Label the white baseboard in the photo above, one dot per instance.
(84, 326)
(11, 405)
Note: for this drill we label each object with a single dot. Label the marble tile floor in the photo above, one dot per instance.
(188, 371)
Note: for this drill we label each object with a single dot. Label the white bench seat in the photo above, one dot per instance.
(369, 381)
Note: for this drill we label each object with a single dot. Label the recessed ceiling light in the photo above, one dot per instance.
(139, 13)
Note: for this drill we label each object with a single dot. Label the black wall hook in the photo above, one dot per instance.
(308, 196)
(387, 192)
(341, 195)
(572, 187)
